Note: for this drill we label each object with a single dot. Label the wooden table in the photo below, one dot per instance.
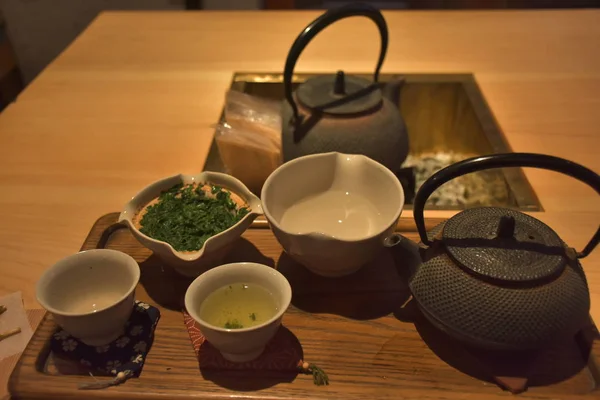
(134, 97)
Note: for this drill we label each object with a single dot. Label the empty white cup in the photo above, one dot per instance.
(91, 294)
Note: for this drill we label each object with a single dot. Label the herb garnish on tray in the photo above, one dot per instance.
(185, 216)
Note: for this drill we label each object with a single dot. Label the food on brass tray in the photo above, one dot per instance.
(185, 216)
(237, 306)
(483, 188)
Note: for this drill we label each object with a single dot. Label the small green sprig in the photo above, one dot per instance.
(320, 377)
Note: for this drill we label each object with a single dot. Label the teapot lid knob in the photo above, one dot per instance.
(506, 227)
(339, 87)
(339, 94)
(503, 244)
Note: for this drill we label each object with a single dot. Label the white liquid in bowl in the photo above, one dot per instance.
(343, 215)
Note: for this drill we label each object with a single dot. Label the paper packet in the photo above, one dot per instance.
(249, 138)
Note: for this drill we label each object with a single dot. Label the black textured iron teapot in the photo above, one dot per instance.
(343, 113)
(498, 278)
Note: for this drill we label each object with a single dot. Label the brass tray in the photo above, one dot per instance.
(443, 112)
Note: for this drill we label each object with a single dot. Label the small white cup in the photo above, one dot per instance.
(91, 294)
(246, 344)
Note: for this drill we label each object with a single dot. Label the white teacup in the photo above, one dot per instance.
(91, 294)
(239, 345)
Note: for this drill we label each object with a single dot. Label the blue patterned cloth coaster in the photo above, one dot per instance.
(126, 355)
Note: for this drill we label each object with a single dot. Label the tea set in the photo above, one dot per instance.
(493, 277)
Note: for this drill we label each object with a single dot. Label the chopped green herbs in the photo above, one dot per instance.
(253, 317)
(234, 324)
(185, 217)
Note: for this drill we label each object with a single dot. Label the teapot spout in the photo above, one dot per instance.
(391, 90)
(392, 240)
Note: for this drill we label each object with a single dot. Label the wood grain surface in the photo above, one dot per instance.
(122, 107)
(363, 330)
(134, 98)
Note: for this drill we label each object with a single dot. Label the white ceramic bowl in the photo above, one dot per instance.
(332, 212)
(91, 294)
(239, 345)
(216, 247)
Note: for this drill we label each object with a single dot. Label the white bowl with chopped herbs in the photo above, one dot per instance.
(191, 221)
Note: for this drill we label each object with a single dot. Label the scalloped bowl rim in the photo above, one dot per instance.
(155, 188)
(322, 236)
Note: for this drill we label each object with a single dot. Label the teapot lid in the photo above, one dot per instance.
(503, 244)
(339, 94)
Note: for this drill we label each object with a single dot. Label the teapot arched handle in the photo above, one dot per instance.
(329, 17)
(504, 160)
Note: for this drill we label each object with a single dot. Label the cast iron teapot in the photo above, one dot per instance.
(498, 278)
(343, 113)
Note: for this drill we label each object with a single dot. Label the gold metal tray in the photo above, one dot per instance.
(443, 112)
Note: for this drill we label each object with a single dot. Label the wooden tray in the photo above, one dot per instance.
(362, 330)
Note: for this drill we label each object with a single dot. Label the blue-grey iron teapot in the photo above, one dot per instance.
(343, 113)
